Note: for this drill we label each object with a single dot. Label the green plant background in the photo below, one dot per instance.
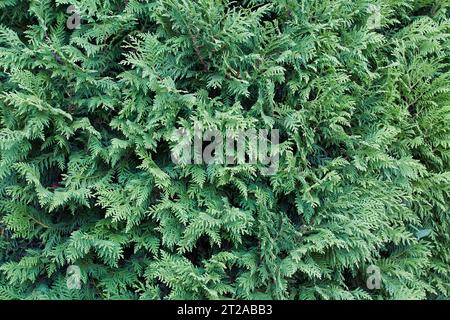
(86, 179)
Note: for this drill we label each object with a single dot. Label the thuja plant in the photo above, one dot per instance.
(91, 93)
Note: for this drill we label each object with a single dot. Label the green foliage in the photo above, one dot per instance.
(86, 120)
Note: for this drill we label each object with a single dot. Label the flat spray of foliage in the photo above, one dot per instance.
(86, 179)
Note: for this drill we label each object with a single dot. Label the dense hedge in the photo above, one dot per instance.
(359, 91)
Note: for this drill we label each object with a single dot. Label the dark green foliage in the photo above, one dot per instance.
(86, 179)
